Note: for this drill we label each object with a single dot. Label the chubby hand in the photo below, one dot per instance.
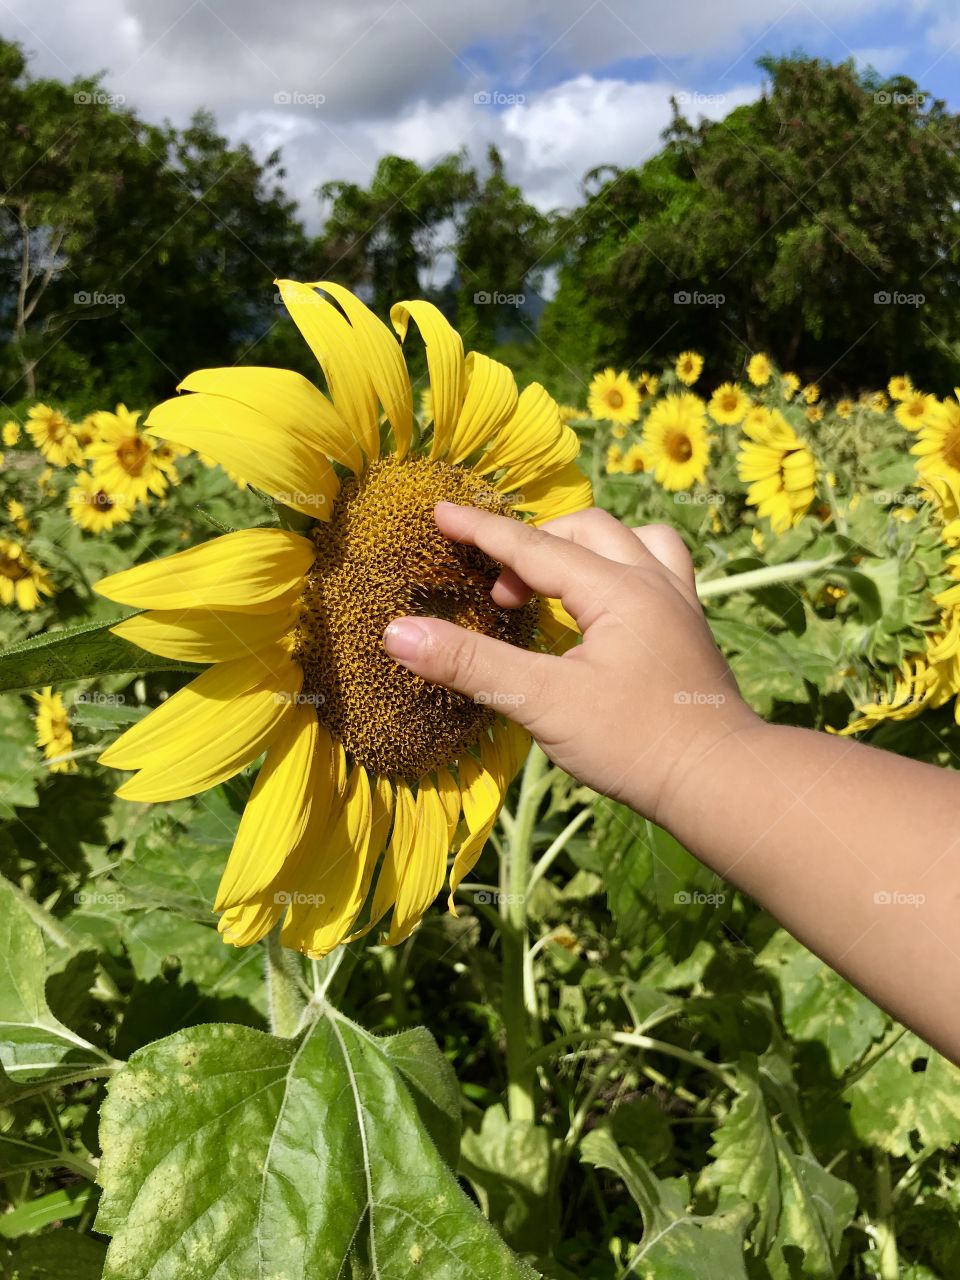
(647, 694)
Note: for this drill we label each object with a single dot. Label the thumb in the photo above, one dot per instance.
(514, 682)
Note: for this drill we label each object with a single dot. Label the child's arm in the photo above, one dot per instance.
(856, 851)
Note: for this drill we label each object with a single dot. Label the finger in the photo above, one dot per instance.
(666, 545)
(599, 531)
(549, 565)
(510, 591)
(514, 681)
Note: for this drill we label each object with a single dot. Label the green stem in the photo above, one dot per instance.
(553, 852)
(765, 577)
(285, 1002)
(884, 1232)
(519, 1019)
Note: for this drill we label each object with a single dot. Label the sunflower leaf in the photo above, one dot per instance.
(230, 1153)
(77, 653)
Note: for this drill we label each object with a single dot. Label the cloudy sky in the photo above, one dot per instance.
(559, 85)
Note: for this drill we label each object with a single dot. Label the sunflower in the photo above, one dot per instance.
(93, 507)
(918, 685)
(899, 387)
(728, 404)
(54, 435)
(613, 397)
(647, 385)
(844, 408)
(758, 415)
(123, 457)
(618, 431)
(759, 369)
(913, 408)
(11, 433)
(22, 580)
(689, 366)
(570, 413)
(363, 758)
(677, 441)
(614, 461)
(86, 430)
(811, 393)
(53, 729)
(938, 450)
(780, 470)
(814, 413)
(17, 513)
(789, 385)
(878, 402)
(635, 460)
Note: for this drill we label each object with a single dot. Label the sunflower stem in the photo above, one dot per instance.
(283, 997)
(768, 576)
(518, 1016)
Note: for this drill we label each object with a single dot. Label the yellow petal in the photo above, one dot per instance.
(421, 877)
(444, 364)
(532, 442)
(334, 342)
(402, 839)
(449, 792)
(286, 464)
(253, 570)
(383, 358)
(201, 635)
(250, 921)
(561, 493)
(482, 799)
(490, 400)
(557, 626)
(287, 399)
(276, 813)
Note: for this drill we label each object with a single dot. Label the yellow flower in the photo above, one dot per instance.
(18, 516)
(647, 385)
(913, 408)
(759, 369)
(53, 729)
(123, 457)
(43, 482)
(54, 435)
(811, 393)
(363, 758)
(677, 441)
(920, 684)
(844, 409)
(757, 538)
(22, 580)
(831, 479)
(618, 431)
(789, 385)
(938, 448)
(904, 514)
(11, 433)
(757, 415)
(570, 413)
(728, 404)
(614, 397)
(689, 366)
(614, 460)
(899, 387)
(86, 430)
(879, 402)
(636, 460)
(93, 507)
(716, 524)
(780, 470)
(815, 413)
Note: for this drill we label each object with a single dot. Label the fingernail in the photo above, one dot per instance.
(404, 639)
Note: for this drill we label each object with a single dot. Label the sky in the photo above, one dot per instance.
(559, 86)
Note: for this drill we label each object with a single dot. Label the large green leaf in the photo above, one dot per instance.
(817, 1208)
(508, 1163)
(911, 1089)
(36, 1050)
(56, 1255)
(76, 653)
(745, 1160)
(230, 1153)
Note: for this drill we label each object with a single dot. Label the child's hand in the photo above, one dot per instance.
(645, 695)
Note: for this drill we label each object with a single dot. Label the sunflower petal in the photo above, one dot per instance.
(250, 921)
(561, 493)
(383, 358)
(276, 813)
(557, 626)
(482, 800)
(253, 570)
(421, 878)
(491, 397)
(203, 635)
(402, 840)
(286, 464)
(334, 343)
(532, 442)
(444, 364)
(289, 400)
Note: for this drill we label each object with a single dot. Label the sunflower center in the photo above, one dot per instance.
(100, 501)
(381, 557)
(951, 448)
(730, 402)
(678, 447)
(132, 454)
(12, 568)
(614, 399)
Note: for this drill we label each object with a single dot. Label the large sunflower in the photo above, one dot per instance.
(780, 469)
(938, 444)
(677, 441)
(124, 459)
(362, 756)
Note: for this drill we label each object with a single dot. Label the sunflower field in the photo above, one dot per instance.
(402, 999)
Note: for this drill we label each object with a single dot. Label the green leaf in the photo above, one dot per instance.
(676, 1244)
(69, 1202)
(57, 1255)
(21, 762)
(745, 1160)
(508, 1163)
(818, 1004)
(76, 653)
(230, 1153)
(36, 1050)
(817, 1209)
(433, 1086)
(911, 1089)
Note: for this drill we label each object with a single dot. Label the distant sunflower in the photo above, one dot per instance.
(759, 369)
(677, 441)
(647, 385)
(123, 458)
(899, 387)
(22, 581)
(363, 757)
(53, 729)
(614, 460)
(18, 516)
(789, 385)
(844, 408)
(570, 413)
(879, 402)
(93, 507)
(636, 459)
(728, 404)
(613, 397)
(938, 448)
(758, 415)
(53, 434)
(11, 433)
(689, 366)
(913, 409)
(811, 393)
(814, 413)
(780, 470)
(86, 429)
